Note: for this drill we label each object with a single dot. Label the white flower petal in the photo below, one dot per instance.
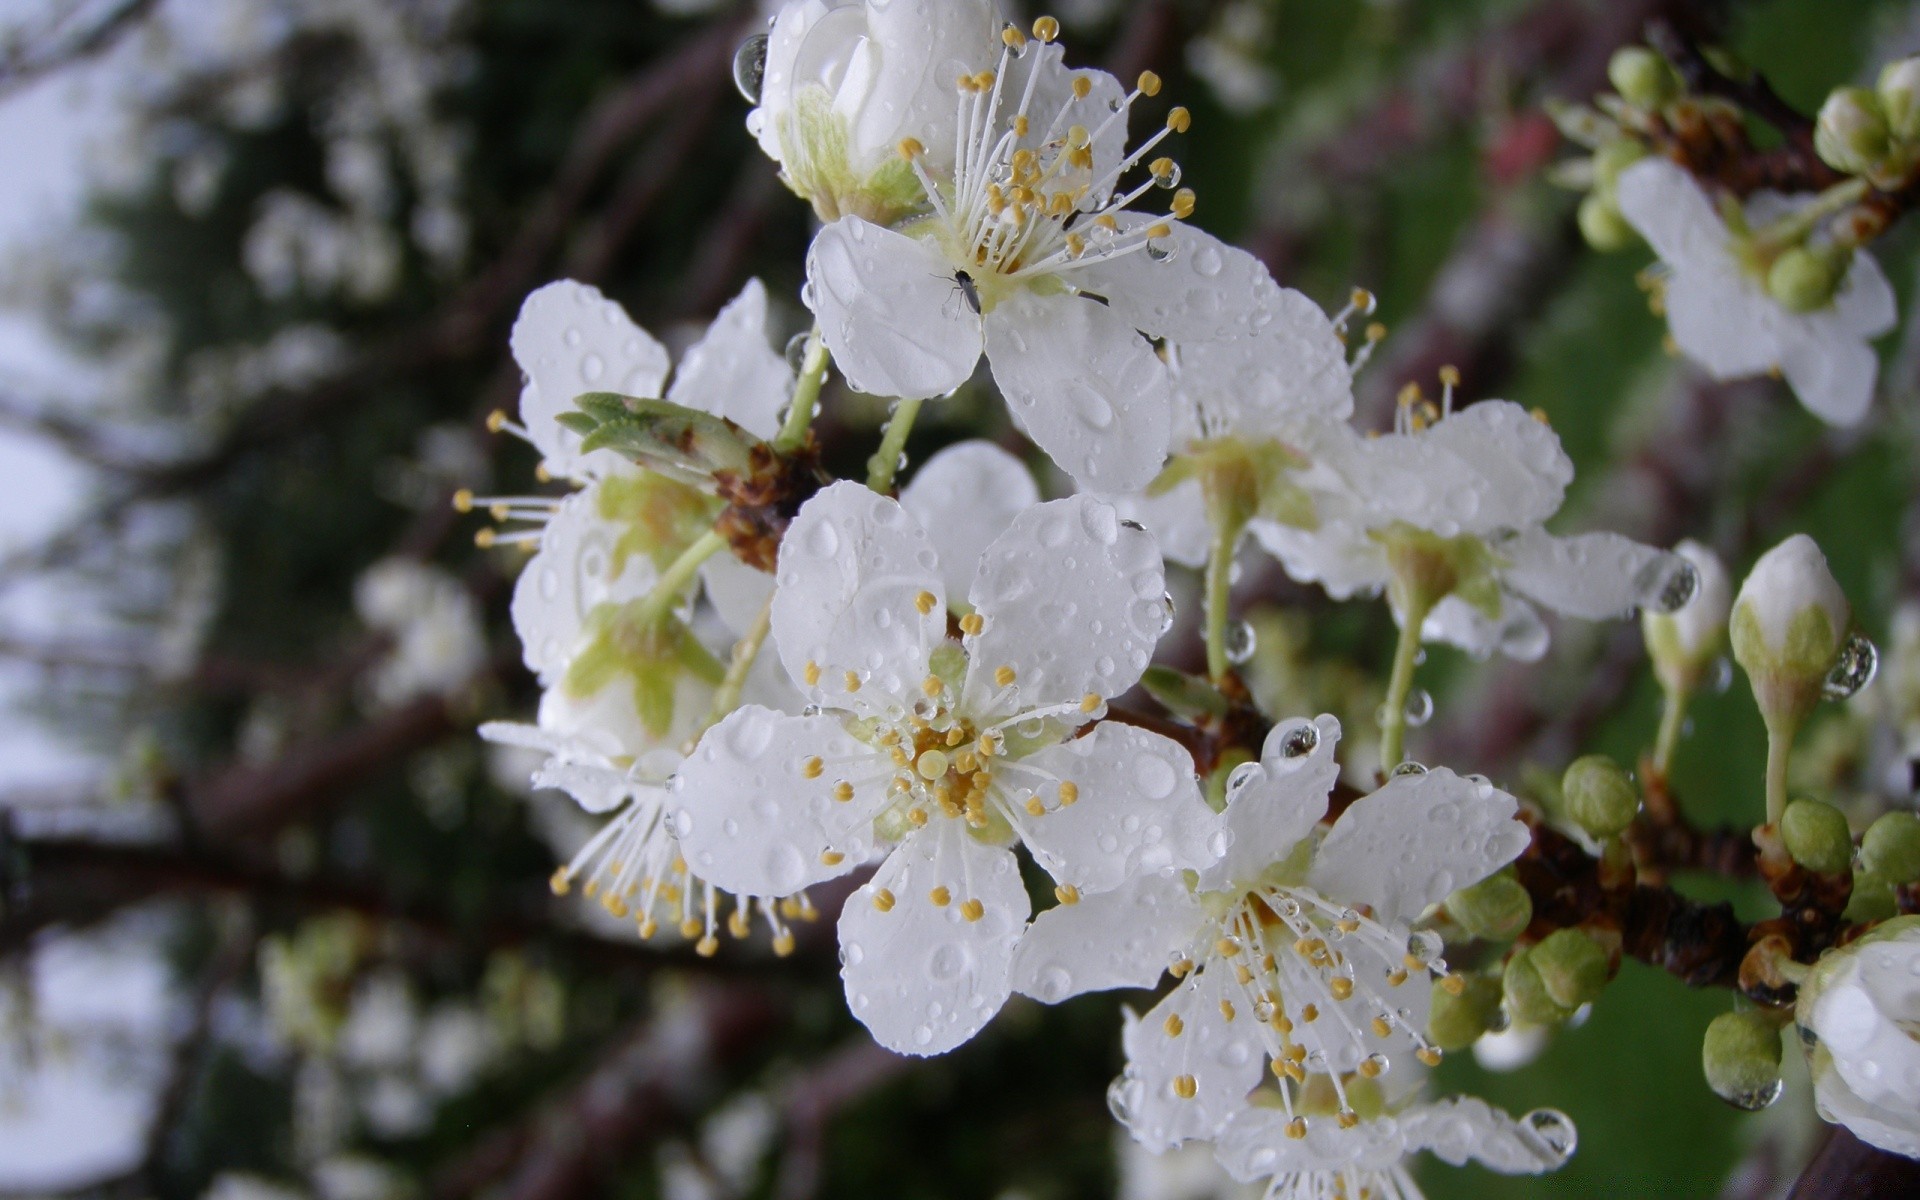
(890, 311)
(572, 574)
(1177, 520)
(1207, 291)
(571, 339)
(609, 720)
(1275, 805)
(1255, 1146)
(1339, 556)
(1120, 938)
(1516, 632)
(1832, 374)
(733, 371)
(1072, 599)
(1221, 1059)
(965, 496)
(1139, 810)
(1722, 322)
(596, 789)
(854, 567)
(1661, 200)
(751, 821)
(1864, 306)
(922, 49)
(1593, 576)
(1054, 91)
(1084, 386)
(920, 975)
(737, 591)
(1465, 1128)
(1896, 1130)
(1289, 375)
(1416, 841)
(1490, 466)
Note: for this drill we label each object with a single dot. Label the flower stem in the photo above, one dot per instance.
(1790, 229)
(1219, 595)
(727, 696)
(1393, 713)
(1779, 747)
(679, 574)
(806, 395)
(893, 443)
(1673, 717)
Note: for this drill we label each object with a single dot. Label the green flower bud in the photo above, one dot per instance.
(1572, 967)
(1603, 226)
(1804, 279)
(1496, 908)
(1526, 992)
(1614, 157)
(1788, 622)
(1817, 836)
(1685, 644)
(1741, 1058)
(1899, 93)
(1459, 1017)
(1599, 796)
(1851, 133)
(1891, 848)
(1872, 898)
(1642, 77)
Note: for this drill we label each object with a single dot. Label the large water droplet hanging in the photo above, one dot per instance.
(1553, 1132)
(1121, 1095)
(1667, 583)
(1300, 742)
(1419, 708)
(1241, 642)
(1758, 1098)
(797, 351)
(1166, 612)
(750, 67)
(1854, 669)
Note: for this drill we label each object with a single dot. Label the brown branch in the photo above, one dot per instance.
(1846, 1168)
(850, 1074)
(24, 64)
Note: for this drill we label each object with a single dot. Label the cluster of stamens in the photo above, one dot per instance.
(530, 512)
(1360, 305)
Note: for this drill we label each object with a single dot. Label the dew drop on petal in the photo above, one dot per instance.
(1123, 1096)
(1241, 642)
(1853, 669)
(1241, 776)
(1667, 583)
(1300, 741)
(1552, 1131)
(750, 67)
(1409, 767)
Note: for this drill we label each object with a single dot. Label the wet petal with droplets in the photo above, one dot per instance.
(1187, 1085)
(1121, 938)
(734, 371)
(1278, 801)
(965, 496)
(572, 573)
(890, 311)
(570, 339)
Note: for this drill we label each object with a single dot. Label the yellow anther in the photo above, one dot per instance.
(484, 539)
(988, 745)
(1297, 1128)
(496, 420)
(1396, 978)
(1069, 791)
(1179, 967)
(918, 816)
(1409, 396)
(1076, 245)
(1454, 985)
(499, 512)
(831, 858)
(1185, 1086)
(463, 500)
(1046, 28)
(883, 900)
(561, 881)
(931, 765)
(925, 602)
(1371, 1067)
(1159, 230)
(1161, 167)
(812, 767)
(983, 81)
(1361, 299)
(1004, 676)
(541, 473)
(1174, 1025)
(1341, 988)
(1082, 88)
(739, 924)
(1179, 119)
(1035, 808)
(1226, 1010)
(783, 943)
(1310, 1013)
(843, 791)
(1428, 1055)
(1183, 202)
(689, 927)
(1281, 1023)
(1376, 332)
(911, 148)
(1066, 893)
(1091, 702)
(648, 927)
(973, 910)
(900, 756)
(1380, 1027)
(1347, 1118)
(811, 673)
(1297, 1052)
(1106, 221)
(852, 680)
(1539, 414)
(707, 946)
(1450, 375)
(1077, 136)
(940, 896)
(1012, 38)
(1226, 947)
(1148, 83)
(932, 685)
(615, 906)
(1021, 125)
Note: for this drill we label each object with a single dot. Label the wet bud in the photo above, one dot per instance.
(1642, 77)
(1684, 644)
(1572, 968)
(1599, 796)
(1891, 848)
(1803, 279)
(1787, 626)
(1817, 836)
(1456, 1022)
(1497, 908)
(1603, 226)
(1526, 992)
(1851, 133)
(1899, 93)
(1741, 1058)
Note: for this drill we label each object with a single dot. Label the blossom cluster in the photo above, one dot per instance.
(768, 680)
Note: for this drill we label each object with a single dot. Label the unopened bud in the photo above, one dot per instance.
(1572, 967)
(1891, 848)
(1642, 77)
(1817, 836)
(1788, 622)
(1497, 908)
(1614, 157)
(1601, 223)
(1741, 1058)
(1851, 132)
(1457, 1021)
(1899, 93)
(1684, 644)
(1599, 796)
(1526, 992)
(1803, 279)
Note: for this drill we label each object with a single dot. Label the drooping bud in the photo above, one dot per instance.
(1891, 847)
(1459, 1018)
(1684, 644)
(1788, 622)
(1599, 796)
(1899, 93)
(1602, 224)
(1804, 279)
(1642, 77)
(1816, 836)
(1851, 133)
(1741, 1058)
(1497, 908)
(1572, 968)
(1526, 992)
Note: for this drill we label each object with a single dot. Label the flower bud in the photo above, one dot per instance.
(1891, 848)
(1899, 93)
(1496, 908)
(1642, 77)
(1803, 279)
(1599, 796)
(1851, 133)
(1684, 644)
(1572, 967)
(1741, 1058)
(1457, 1021)
(1526, 992)
(1614, 157)
(1817, 836)
(1788, 622)
(1603, 226)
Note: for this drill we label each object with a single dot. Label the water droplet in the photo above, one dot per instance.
(1409, 767)
(1854, 669)
(1123, 1095)
(1162, 250)
(1300, 741)
(1241, 776)
(1722, 677)
(1667, 583)
(1425, 945)
(1241, 642)
(750, 67)
(1380, 1063)
(1553, 1132)
(1166, 611)
(796, 351)
(1758, 1098)
(1419, 708)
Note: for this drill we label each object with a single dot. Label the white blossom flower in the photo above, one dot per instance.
(434, 623)
(1032, 257)
(1461, 501)
(1293, 948)
(952, 750)
(1858, 1013)
(1721, 313)
(1787, 581)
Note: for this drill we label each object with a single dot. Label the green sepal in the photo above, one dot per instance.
(1183, 695)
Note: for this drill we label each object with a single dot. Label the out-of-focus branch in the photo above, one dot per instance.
(854, 1071)
(1848, 1169)
(33, 57)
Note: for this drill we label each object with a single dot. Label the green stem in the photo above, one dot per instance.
(1219, 595)
(1779, 747)
(679, 573)
(1673, 717)
(886, 460)
(1393, 713)
(806, 395)
(727, 696)
(1791, 229)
